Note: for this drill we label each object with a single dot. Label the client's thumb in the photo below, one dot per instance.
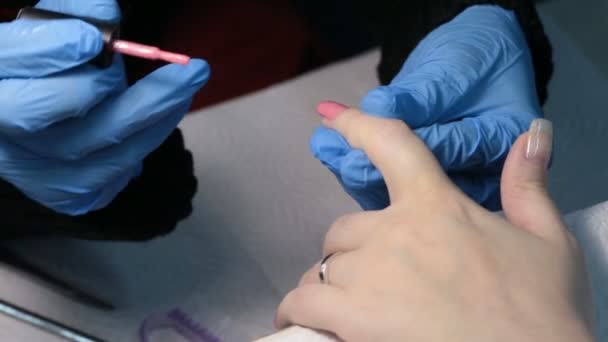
(525, 198)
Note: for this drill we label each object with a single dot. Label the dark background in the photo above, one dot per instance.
(251, 44)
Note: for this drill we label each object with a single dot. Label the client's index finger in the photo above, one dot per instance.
(405, 162)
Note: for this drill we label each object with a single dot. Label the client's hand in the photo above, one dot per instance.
(435, 266)
(468, 92)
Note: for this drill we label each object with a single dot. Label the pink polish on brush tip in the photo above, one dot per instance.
(148, 52)
(330, 109)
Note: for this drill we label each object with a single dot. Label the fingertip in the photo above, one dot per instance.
(358, 172)
(199, 66)
(189, 78)
(327, 144)
(330, 110)
(201, 72)
(539, 148)
(332, 150)
(525, 198)
(528, 159)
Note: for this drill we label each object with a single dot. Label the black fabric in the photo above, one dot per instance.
(149, 207)
(401, 25)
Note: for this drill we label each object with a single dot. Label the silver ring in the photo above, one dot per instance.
(324, 271)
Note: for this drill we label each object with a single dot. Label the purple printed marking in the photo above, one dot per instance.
(179, 322)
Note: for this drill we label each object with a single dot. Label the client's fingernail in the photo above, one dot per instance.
(540, 142)
(330, 109)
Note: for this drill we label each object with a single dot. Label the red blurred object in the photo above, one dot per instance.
(250, 44)
(7, 14)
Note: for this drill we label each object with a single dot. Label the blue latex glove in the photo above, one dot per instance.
(72, 136)
(468, 90)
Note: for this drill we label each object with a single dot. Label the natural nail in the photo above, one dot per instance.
(540, 141)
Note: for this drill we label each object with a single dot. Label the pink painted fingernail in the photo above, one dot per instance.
(330, 109)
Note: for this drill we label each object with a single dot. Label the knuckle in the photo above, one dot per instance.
(303, 279)
(341, 222)
(338, 228)
(295, 298)
(308, 277)
(332, 236)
